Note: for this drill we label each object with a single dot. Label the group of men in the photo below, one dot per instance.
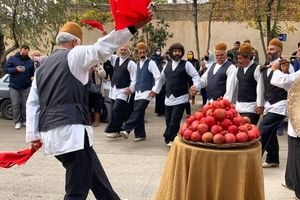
(57, 106)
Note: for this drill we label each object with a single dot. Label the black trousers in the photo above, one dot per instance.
(137, 119)
(173, 118)
(254, 118)
(84, 172)
(268, 130)
(160, 101)
(119, 114)
(292, 171)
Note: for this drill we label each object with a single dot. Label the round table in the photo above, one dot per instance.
(202, 173)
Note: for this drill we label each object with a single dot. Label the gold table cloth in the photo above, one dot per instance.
(202, 173)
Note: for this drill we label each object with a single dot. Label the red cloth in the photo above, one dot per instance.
(9, 159)
(94, 24)
(128, 12)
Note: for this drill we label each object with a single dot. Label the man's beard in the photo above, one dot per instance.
(272, 57)
(176, 57)
(143, 57)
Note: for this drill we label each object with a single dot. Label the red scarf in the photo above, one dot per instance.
(128, 12)
(9, 159)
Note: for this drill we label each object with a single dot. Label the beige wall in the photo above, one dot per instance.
(221, 32)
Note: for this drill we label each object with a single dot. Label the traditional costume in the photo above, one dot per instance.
(176, 74)
(274, 111)
(247, 77)
(219, 79)
(148, 79)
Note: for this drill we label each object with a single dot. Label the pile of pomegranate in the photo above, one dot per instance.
(218, 122)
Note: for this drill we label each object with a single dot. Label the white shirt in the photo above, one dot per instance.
(153, 69)
(192, 72)
(278, 107)
(81, 58)
(230, 82)
(285, 81)
(119, 93)
(248, 107)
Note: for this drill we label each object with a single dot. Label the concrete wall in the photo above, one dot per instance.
(221, 32)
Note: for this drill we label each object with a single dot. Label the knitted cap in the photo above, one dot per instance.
(276, 43)
(72, 28)
(141, 45)
(221, 46)
(246, 49)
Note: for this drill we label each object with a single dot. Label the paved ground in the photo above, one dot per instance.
(134, 169)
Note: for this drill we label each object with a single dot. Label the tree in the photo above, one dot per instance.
(28, 22)
(153, 35)
(37, 22)
(264, 15)
(194, 7)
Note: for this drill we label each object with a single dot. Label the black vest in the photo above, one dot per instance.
(216, 83)
(273, 94)
(63, 98)
(247, 84)
(177, 80)
(144, 78)
(121, 76)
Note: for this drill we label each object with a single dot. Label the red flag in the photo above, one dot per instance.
(9, 159)
(128, 12)
(94, 24)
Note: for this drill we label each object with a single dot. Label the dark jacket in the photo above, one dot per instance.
(19, 80)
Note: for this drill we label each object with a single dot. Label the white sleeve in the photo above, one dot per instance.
(192, 72)
(132, 67)
(156, 75)
(32, 114)
(282, 80)
(260, 90)
(203, 79)
(82, 57)
(231, 83)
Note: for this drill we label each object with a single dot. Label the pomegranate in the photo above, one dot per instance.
(241, 137)
(229, 138)
(233, 129)
(215, 129)
(207, 137)
(218, 139)
(202, 128)
(210, 121)
(196, 137)
(187, 134)
(219, 114)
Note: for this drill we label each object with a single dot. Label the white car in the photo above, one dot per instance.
(5, 102)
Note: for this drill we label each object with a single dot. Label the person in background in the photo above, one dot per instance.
(294, 54)
(160, 97)
(232, 53)
(195, 62)
(21, 70)
(254, 52)
(97, 73)
(296, 61)
(37, 58)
